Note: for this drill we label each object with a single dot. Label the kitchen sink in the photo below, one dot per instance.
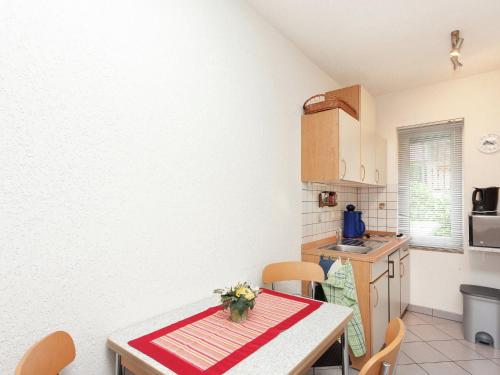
(349, 248)
(352, 245)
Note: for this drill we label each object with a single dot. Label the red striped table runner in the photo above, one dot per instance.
(209, 343)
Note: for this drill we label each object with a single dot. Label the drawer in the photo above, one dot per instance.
(404, 251)
(378, 268)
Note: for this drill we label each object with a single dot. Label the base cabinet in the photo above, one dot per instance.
(394, 286)
(379, 310)
(379, 296)
(405, 282)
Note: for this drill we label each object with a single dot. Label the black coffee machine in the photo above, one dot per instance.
(485, 201)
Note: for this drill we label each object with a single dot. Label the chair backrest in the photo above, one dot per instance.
(48, 356)
(285, 271)
(394, 335)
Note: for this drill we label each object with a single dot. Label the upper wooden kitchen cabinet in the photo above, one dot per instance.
(339, 148)
(368, 120)
(380, 161)
(331, 142)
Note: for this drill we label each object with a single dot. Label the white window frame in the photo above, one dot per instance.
(405, 134)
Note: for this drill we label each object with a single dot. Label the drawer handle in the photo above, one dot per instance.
(378, 175)
(345, 169)
(364, 172)
(376, 290)
(391, 274)
(402, 266)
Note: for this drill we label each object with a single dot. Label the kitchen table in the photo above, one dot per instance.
(293, 351)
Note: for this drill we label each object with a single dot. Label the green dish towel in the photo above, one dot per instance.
(340, 288)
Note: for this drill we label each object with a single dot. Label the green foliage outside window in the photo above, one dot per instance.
(431, 206)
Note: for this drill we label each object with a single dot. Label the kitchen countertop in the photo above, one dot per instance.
(392, 243)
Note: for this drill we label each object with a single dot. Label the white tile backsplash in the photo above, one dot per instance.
(391, 214)
(318, 223)
(392, 206)
(379, 206)
(392, 196)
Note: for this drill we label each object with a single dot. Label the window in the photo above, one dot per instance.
(430, 185)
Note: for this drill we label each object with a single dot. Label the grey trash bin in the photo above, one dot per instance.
(481, 314)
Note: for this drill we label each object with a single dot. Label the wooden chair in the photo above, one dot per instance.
(48, 356)
(385, 361)
(287, 271)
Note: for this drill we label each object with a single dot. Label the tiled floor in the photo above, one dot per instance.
(435, 346)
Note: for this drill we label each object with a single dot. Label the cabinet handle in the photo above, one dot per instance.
(364, 172)
(376, 290)
(345, 169)
(378, 175)
(391, 274)
(402, 271)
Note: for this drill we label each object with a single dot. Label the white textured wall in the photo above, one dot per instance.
(436, 277)
(149, 152)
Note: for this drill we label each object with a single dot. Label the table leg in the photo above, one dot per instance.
(118, 365)
(345, 353)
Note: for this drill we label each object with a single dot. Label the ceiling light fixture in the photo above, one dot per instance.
(456, 44)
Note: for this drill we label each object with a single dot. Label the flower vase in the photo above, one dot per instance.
(236, 316)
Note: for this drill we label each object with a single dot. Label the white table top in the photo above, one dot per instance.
(279, 356)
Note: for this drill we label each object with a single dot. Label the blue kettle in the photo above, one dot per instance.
(353, 225)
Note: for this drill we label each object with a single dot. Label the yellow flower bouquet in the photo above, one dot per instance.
(239, 299)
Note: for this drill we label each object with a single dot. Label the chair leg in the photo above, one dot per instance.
(384, 369)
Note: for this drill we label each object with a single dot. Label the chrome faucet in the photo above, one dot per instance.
(338, 235)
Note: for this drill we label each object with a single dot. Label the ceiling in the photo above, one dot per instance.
(389, 45)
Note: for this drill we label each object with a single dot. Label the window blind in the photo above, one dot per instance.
(431, 185)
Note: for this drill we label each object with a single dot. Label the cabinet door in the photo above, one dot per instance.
(405, 283)
(349, 148)
(394, 286)
(367, 120)
(381, 161)
(320, 146)
(379, 309)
